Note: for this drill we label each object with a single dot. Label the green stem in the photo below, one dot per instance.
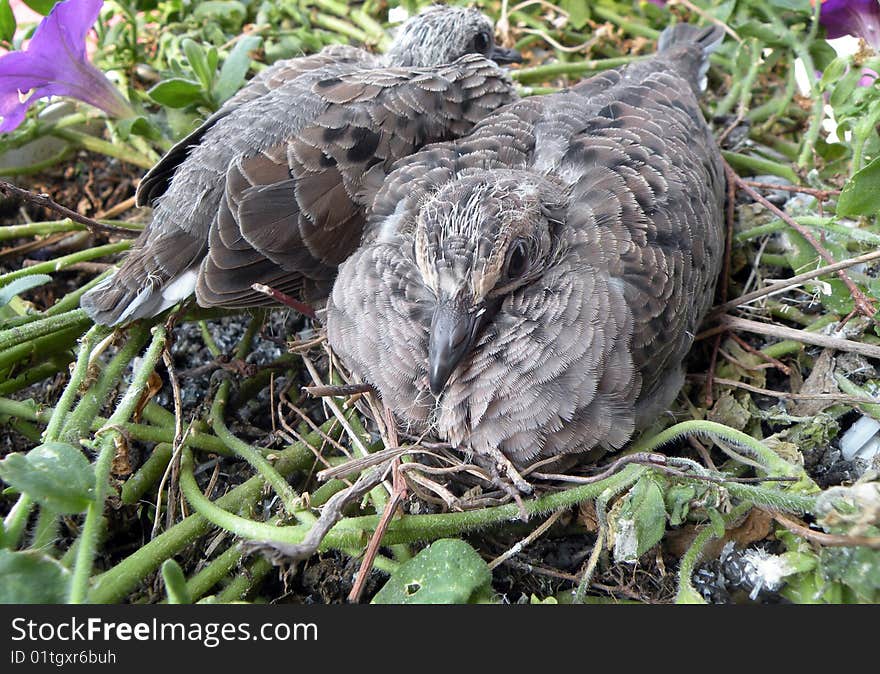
(147, 475)
(759, 166)
(45, 530)
(53, 428)
(42, 327)
(289, 499)
(94, 144)
(15, 522)
(144, 432)
(80, 420)
(112, 585)
(576, 68)
(243, 584)
(65, 261)
(772, 462)
(82, 569)
(686, 592)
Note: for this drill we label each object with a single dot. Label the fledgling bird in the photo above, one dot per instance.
(534, 287)
(272, 188)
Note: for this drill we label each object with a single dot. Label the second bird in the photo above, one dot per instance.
(271, 189)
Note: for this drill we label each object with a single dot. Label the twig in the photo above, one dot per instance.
(828, 540)
(832, 397)
(823, 195)
(46, 201)
(337, 391)
(862, 303)
(783, 332)
(287, 300)
(519, 546)
(778, 364)
(398, 493)
(331, 513)
(779, 286)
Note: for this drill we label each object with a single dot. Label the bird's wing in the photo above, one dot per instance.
(300, 203)
(156, 181)
(648, 204)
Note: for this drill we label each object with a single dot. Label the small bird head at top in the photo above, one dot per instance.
(478, 240)
(440, 34)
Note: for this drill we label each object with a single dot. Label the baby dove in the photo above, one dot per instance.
(272, 188)
(534, 287)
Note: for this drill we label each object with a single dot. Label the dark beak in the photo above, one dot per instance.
(502, 55)
(453, 331)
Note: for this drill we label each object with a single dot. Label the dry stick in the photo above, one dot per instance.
(287, 300)
(398, 493)
(862, 304)
(337, 391)
(528, 540)
(119, 208)
(783, 332)
(774, 288)
(823, 195)
(331, 513)
(46, 201)
(832, 397)
(828, 540)
(775, 362)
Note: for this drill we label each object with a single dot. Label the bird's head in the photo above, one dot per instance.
(441, 34)
(478, 240)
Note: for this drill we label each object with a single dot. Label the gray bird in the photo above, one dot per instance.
(272, 188)
(534, 287)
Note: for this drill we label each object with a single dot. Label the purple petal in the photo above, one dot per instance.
(55, 64)
(66, 28)
(860, 18)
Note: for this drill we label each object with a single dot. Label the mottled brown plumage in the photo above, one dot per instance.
(534, 287)
(272, 188)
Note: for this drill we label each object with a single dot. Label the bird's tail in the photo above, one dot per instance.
(152, 278)
(690, 47)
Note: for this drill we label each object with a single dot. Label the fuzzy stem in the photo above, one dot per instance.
(65, 261)
(112, 585)
(82, 568)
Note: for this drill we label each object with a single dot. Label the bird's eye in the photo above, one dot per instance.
(482, 42)
(517, 260)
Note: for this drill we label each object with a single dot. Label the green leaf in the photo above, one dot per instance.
(40, 6)
(449, 571)
(176, 92)
(763, 32)
(32, 578)
(229, 13)
(839, 300)
(640, 522)
(840, 98)
(861, 194)
(55, 474)
(578, 12)
(197, 57)
(802, 6)
(235, 67)
(823, 54)
(7, 21)
(21, 285)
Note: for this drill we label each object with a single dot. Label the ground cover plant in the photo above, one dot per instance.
(177, 460)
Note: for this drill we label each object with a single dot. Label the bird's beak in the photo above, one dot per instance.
(453, 331)
(502, 55)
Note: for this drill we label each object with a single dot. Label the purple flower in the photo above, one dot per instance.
(55, 64)
(860, 18)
